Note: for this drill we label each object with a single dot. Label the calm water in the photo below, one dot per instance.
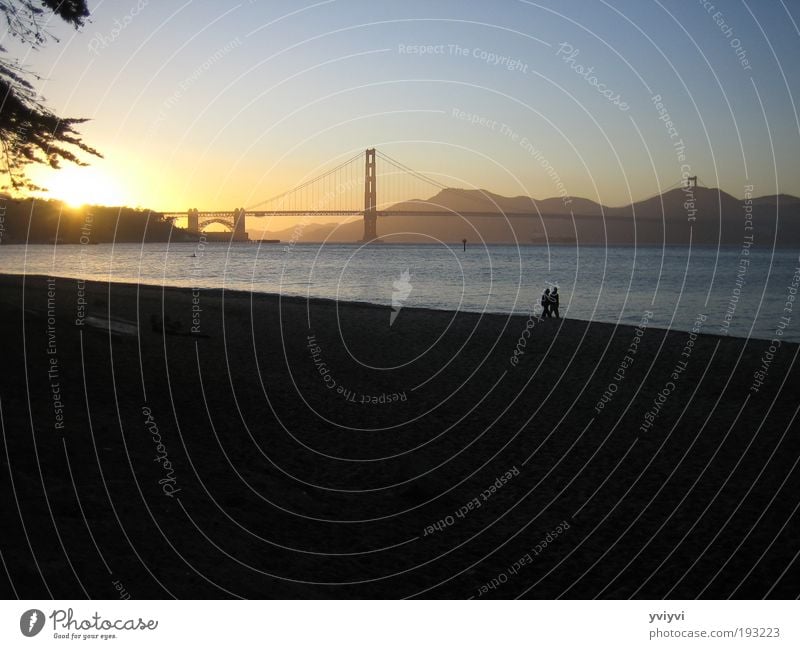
(608, 284)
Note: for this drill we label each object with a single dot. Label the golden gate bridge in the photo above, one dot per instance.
(346, 190)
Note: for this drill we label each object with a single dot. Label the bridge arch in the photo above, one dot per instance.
(234, 222)
(221, 220)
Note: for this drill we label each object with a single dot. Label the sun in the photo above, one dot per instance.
(78, 186)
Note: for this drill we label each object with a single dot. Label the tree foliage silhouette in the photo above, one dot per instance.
(29, 131)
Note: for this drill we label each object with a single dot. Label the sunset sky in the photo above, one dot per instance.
(218, 105)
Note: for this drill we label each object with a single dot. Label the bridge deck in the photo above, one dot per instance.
(259, 213)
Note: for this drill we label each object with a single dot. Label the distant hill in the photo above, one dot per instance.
(711, 215)
(465, 200)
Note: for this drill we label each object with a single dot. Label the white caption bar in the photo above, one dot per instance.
(399, 624)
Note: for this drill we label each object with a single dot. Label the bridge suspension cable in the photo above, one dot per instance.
(313, 183)
(340, 190)
(409, 170)
(478, 197)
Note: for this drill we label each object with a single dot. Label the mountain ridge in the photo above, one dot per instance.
(701, 215)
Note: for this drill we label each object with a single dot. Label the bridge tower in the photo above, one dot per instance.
(193, 224)
(370, 199)
(239, 230)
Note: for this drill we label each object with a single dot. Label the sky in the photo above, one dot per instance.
(221, 105)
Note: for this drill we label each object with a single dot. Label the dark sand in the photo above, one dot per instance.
(289, 489)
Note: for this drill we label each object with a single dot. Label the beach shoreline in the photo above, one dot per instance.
(237, 293)
(294, 447)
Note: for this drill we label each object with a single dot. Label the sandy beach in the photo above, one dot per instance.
(215, 444)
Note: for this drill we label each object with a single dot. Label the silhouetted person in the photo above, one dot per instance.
(554, 303)
(546, 303)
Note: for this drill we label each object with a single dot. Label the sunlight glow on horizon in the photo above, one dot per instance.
(77, 186)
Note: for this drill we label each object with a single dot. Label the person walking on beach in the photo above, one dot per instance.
(546, 303)
(554, 303)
